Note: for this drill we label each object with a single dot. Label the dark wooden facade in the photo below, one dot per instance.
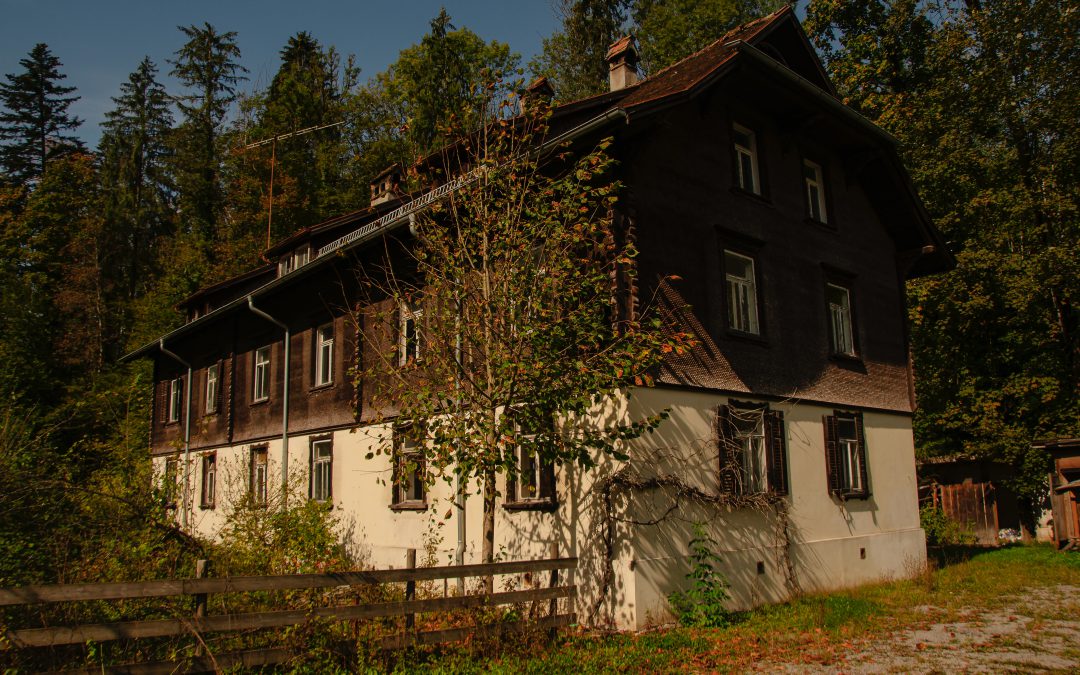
(674, 143)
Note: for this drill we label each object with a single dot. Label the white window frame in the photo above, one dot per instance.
(322, 469)
(813, 178)
(209, 481)
(841, 326)
(741, 293)
(212, 384)
(415, 314)
(847, 444)
(260, 475)
(176, 396)
(324, 355)
(753, 455)
(408, 450)
(746, 154)
(260, 385)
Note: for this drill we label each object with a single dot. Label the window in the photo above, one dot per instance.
(409, 337)
(753, 457)
(815, 191)
(324, 355)
(169, 480)
(746, 159)
(294, 260)
(845, 454)
(409, 489)
(261, 387)
(322, 464)
(209, 480)
(211, 389)
(841, 337)
(258, 478)
(534, 482)
(742, 308)
(176, 389)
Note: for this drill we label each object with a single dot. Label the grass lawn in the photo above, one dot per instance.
(814, 629)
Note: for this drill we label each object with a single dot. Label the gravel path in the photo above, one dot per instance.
(1036, 633)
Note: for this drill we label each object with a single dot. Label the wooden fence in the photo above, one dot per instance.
(973, 505)
(199, 622)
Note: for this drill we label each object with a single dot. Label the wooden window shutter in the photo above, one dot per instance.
(162, 401)
(775, 438)
(511, 485)
(219, 393)
(860, 436)
(395, 475)
(547, 480)
(728, 453)
(832, 453)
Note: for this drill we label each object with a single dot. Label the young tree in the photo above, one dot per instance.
(515, 339)
(137, 187)
(207, 66)
(35, 116)
(574, 57)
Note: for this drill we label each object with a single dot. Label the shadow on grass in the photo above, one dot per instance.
(955, 554)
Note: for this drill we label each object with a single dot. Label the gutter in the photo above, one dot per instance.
(187, 429)
(284, 397)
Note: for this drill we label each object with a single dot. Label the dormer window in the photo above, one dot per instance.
(290, 262)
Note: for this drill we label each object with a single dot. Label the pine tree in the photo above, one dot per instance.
(574, 57)
(207, 66)
(138, 190)
(35, 116)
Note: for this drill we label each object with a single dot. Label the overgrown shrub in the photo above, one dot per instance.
(942, 530)
(702, 605)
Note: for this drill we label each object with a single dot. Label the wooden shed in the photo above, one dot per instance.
(1065, 490)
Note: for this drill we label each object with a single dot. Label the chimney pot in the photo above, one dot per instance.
(622, 61)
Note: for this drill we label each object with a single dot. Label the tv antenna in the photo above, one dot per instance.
(272, 142)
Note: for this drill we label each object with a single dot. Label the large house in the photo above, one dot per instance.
(792, 227)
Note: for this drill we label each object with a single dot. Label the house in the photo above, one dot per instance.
(793, 227)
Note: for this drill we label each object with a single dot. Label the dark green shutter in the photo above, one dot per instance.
(547, 480)
(775, 439)
(860, 436)
(832, 454)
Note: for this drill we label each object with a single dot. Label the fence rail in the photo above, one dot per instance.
(199, 622)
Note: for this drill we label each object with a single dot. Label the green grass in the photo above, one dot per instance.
(812, 628)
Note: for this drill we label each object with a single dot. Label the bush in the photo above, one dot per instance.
(942, 530)
(703, 604)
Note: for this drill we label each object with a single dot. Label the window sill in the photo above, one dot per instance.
(261, 401)
(848, 359)
(852, 496)
(532, 505)
(822, 224)
(752, 196)
(211, 414)
(315, 389)
(206, 507)
(409, 506)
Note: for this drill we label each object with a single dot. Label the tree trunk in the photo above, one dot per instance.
(488, 550)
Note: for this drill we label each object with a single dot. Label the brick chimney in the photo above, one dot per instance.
(539, 90)
(622, 61)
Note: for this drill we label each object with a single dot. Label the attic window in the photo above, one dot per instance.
(295, 260)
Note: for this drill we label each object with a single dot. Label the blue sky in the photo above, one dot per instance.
(101, 41)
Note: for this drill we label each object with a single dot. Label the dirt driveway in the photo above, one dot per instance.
(1033, 633)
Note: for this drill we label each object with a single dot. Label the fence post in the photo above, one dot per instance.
(410, 588)
(553, 554)
(202, 569)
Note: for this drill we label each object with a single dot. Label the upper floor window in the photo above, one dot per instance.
(209, 480)
(746, 159)
(322, 464)
(741, 286)
(841, 336)
(176, 389)
(753, 456)
(845, 454)
(815, 191)
(324, 354)
(294, 260)
(409, 337)
(212, 389)
(409, 475)
(260, 390)
(259, 473)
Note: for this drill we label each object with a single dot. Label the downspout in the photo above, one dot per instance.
(285, 400)
(187, 430)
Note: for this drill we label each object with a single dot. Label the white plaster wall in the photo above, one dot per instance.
(648, 561)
